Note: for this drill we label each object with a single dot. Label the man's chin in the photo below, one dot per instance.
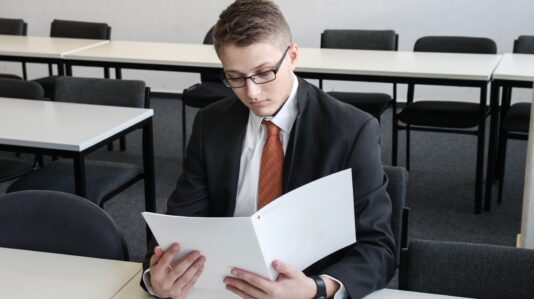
(262, 112)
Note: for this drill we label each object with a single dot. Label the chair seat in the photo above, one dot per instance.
(518, 117)
(10, 76)
(48, 84)
(441, 114)
(102, 178)
(372, 103)
(12, 168)
(205, 93)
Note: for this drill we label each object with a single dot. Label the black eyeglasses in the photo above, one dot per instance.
(260, 78)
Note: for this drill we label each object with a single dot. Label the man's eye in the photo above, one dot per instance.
(235, 79)
(263, 75)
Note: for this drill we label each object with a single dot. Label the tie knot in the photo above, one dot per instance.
(272, 129)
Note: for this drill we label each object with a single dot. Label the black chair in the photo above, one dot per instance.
(11, 168)
(385, 40)
(73, 29)
(515, 118)
(449, 116)
(104, 179)
(210, 90)
(59, 222)
(14, 27)
(397, 185)
(467, 270)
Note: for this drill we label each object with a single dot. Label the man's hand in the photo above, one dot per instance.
(291, 283)
(174, 279)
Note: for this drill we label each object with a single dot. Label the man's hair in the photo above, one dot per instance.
(246, 22)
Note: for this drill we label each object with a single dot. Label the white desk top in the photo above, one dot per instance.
(398, 64)
(516, 67)
(154, 53)
(333, 61)
(31, 274)
(63, 126)
(398, 294)
(133, 291)
(43, 47)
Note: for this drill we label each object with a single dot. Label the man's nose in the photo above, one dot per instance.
(252, 89)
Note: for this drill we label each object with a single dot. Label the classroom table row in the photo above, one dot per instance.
(453, 69)
(32, 274)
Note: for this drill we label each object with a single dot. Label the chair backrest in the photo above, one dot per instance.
(467, 270)
(57, 222)
(386, 40)
(13, 26)
(455, 44)
(524, 44)
(397, 185)
(111, 92)
(210, 76)
(75, 29)
(12, 88)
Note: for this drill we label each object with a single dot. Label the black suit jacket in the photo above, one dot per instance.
(328, 136)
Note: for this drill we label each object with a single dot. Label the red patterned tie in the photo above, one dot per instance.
(272, 161)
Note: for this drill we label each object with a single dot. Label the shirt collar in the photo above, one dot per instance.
(285, 117)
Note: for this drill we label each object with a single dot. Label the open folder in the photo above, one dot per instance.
(298, 228)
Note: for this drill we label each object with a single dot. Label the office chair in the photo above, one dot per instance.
(397, 186)
(14, 27)
(104, 179)
(210, 90)
(449, 116)
(58, 222)
(467, 270)
(385, 40)
(515, 119)
(72, 29)
(11, 168)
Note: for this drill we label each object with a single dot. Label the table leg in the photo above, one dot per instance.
(79, 175)
(493, 142)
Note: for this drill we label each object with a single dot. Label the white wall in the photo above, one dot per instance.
(187, 21)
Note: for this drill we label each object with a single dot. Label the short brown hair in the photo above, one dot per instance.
(246, 22)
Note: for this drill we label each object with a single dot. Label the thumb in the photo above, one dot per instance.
(285, 269)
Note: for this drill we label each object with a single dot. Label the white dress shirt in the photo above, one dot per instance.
(249, 167)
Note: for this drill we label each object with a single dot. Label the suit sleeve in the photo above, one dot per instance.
(368, 264)
(190, 198)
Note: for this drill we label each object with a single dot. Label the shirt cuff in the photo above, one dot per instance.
(148, 284)
(342, 292)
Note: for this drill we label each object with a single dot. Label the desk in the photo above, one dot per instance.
(74, 130)
(42, 49)
(133, 291)
(514, 70)
(398, 294)
(471, 70)
(32, 274)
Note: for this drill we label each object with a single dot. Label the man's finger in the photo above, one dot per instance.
(243, 288)
(188, 275)
(162, 265)
(183, 264)
(158, 252)
(187, 288)
(284, 269)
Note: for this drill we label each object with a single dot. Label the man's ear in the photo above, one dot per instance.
(293, 55)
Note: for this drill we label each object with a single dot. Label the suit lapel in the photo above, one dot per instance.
(236, 124)
(294, 144)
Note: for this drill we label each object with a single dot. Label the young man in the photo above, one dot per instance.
(276, 134)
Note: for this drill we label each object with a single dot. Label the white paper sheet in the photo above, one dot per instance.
(298, 228)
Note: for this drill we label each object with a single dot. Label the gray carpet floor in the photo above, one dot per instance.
(440, 192)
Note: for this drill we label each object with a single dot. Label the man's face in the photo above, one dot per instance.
(263, 99)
